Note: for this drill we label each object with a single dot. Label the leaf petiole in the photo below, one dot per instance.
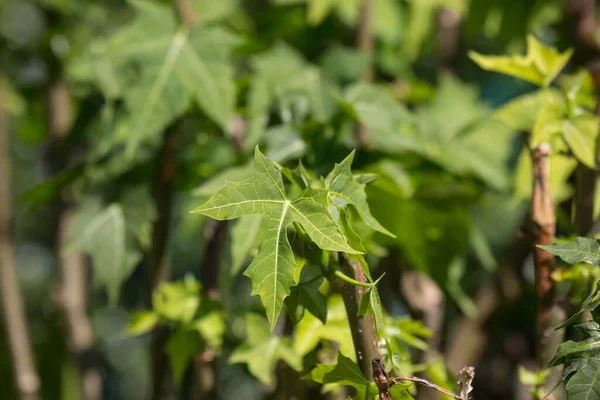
(347, 279)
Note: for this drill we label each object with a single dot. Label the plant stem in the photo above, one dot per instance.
(448, 35)
(27, 381)
(72, 295)
(347, 279)
(362, 327)
(549, 312)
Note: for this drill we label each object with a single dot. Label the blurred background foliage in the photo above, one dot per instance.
(123, 115)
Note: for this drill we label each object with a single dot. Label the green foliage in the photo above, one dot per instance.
(578, 250)
(197, 321)
(112, 235)
(534, 379)
(582, 368)
(540, 65)
(261, 350)
(176, 66)
(273, 269)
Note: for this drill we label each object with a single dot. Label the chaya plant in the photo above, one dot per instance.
(582, 365)
(559, 123)
(309, 223)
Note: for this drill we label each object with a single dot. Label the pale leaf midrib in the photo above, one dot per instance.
(179, 40)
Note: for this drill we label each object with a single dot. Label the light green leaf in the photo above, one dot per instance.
(520, 114)
(345, 191)
(261, 351)
(579, 250)
(181, 348)
(343, 372)
(311, 331)
(246, 236)
(540, 65)
(273, 269)
(210, 324)
(177, 65)
(375, 107)
(580, 134)
(546, 125)
(177, 301)
(101, 233)
(142, 322)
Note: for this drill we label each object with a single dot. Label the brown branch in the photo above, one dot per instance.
(448, 35)
(549, 312)
(27, 381)
(362, 327)
(384, 383)
(72, 294)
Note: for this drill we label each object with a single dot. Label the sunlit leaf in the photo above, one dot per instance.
(579, 250)
(273, 269)
(540, 65)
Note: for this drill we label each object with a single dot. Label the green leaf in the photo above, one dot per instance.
(181, 348)
(589, 304)
(311, 331)
(246, 236)
(456, 271)
(579, 250)
(142, 322)
(177, 66)
(100, 232)
(540, 65)
(261, 351)
(210, 324)
(343, 372)
(580, 134)
(273, 269)
(520, 114)
(177, 301)
(375, 107)
(307, 296)
(345, 191)
(582, 367)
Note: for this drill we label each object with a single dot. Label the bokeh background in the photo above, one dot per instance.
(91, 119)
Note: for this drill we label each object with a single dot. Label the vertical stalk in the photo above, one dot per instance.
(448, 35)
(156, 258)
(549, 312)
(27, 381)
(365, 44)
(362, 327)
(72, 296)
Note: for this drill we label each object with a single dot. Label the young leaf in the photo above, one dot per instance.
(273, 269)
(261, 351)
(579, 250)
(540, 65)
(311, 331)
(580, 134)
(343, 372)
(142, 322)
(345, 190)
